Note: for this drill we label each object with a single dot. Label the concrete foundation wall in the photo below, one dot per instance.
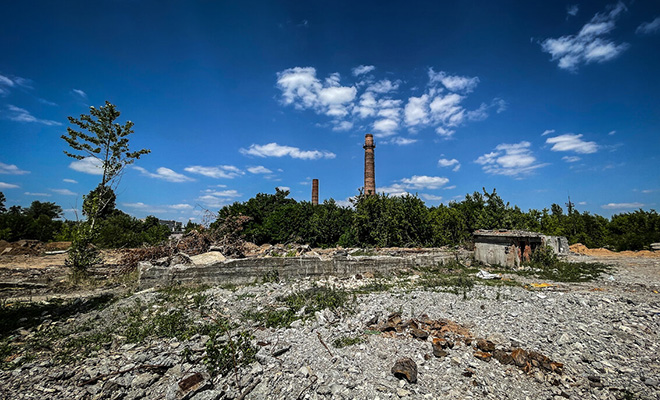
(511, 251)
(250, 270)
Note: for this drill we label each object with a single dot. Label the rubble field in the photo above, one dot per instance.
(429, 333)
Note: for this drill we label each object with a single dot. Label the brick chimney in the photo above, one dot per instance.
(369, 174)
(315, 191)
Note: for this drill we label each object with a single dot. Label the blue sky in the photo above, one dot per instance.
(540, 100)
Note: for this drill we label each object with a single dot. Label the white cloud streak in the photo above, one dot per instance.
(18, 114)
(38, 194)
(164, 174)
(80, 93)
(5, 185)
(63, 192)
(363, 69)
(259, 169)
(648, 28)
(220, 171)
(11, 169)
(276, 150)
(622, 206)
(589, 45)
(69, 180)
(572, 142)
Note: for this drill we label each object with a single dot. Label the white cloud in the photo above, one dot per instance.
(455, 83)
(384, 86)
(363, 69)
(301, 88)
(11, 169)
(648, 28)
(621, 206)
(6, 83)
(582, 203)
(343, 126)
(447, 109)
(589, 45)
(181, 206)
(572, 10)
(220, 171)
(165, 174)
(18, 114)
(284, 188)
(79, 93)
(259, 169)
(161, 209)
(424, 182)
(417, 110)
(223, 193)
(276, 150)
(510, 160)
(4, 185)
(444, 131)
(547, 132)
(38, 194)
(572, 142)
(571, 159)
(88, 165)
(416, 182)
(611, 133)
(431, 197)
(395, 189)
(647, 191)
(69, 180)
(385, 127)
(443, 162)
(400, 141)
(64, 192)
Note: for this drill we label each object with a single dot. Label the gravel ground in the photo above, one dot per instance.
(604, 332)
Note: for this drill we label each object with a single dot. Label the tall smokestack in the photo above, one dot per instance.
(315, 192)
(369, 174)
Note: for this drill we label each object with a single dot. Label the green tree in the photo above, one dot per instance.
(98, 137)
(2, 203)
(101, 201)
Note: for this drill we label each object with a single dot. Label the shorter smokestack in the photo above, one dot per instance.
(315, 191)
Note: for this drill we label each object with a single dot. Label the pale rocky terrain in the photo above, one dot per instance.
(602, 337)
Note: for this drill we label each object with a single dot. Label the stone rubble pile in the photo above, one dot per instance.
(567, 341)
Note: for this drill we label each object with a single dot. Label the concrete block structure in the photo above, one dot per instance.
(512, 248)
(369, 167)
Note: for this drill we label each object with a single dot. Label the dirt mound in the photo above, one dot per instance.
(579, 248)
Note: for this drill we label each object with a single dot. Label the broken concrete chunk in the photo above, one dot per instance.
(405, 368)
(485, 345)
(483, 356)
(211, 257)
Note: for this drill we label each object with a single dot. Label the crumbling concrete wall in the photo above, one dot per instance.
(250, 270)
(512, 248)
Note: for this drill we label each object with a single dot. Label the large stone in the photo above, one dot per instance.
(405, 368)
(211, 257)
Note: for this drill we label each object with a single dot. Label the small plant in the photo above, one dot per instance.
(545, 264)
(345, 341)
(224, 352)
(301, 305)
(271, 276)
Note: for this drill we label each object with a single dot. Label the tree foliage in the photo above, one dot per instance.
(103, 139)
(384, 221)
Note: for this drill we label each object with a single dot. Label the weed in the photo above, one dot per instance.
(345, 341)
(271, 276)
(291, 253)
(545, 264)
(225, 352)
(300, 305)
